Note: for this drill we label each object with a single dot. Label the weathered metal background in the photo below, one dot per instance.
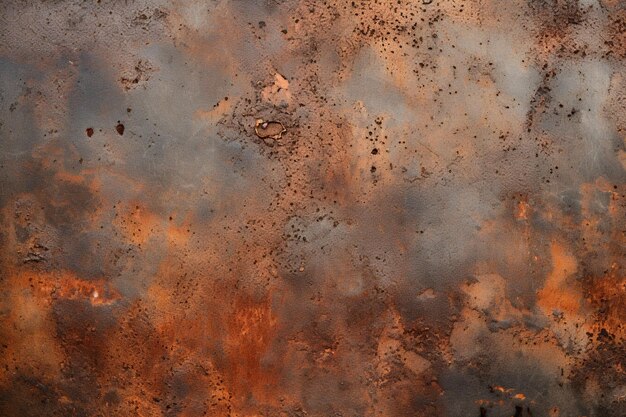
(313, 208)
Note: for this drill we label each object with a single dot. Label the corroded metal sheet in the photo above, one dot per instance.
(312, 208)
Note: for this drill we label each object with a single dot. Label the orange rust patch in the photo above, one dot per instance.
(67, 285)
(523, 210)
(560, 291)
(137, 223)
(251, 328)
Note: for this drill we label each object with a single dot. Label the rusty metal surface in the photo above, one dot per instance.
(312, 208)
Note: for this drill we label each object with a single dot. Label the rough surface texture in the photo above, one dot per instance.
(438, 231)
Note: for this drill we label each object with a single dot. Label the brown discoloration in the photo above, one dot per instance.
(560, 294)
(139, 75)
(332, 208)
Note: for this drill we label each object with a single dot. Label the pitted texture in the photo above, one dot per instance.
(313, 208)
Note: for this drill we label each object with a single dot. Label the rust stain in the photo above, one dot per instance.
(560, 293)
(288, 208)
